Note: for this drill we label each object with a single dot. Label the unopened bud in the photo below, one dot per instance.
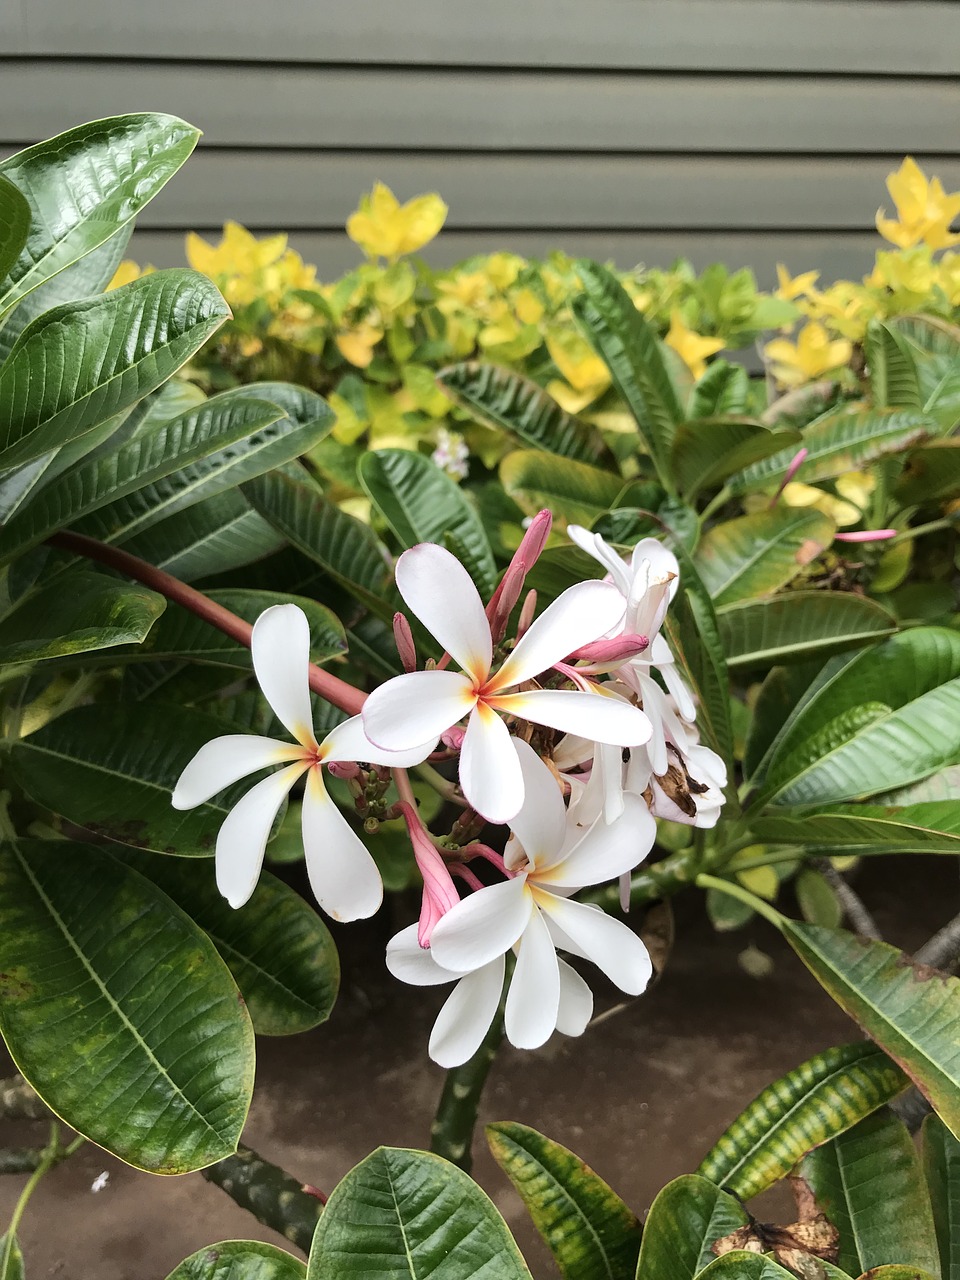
(508, 593)
(345, 769)
(403, 638)
(526, 613)
(524, 558)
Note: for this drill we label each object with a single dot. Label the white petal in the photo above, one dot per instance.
(483, 926)
(441, 593)
(680, 690)
(411, 963)
(465, 1018)
(408, 710)
(605, 852)
(281, 656)
(490, 775)
(591, 715)
(226, 760)
(572, 750)
(576, 1002)
(349, 742)
(597, 547)
(540, 825)
(662, 561)
(343, 876)
(243, 837)
(579, 616)
(533, 1001)
(612, 946)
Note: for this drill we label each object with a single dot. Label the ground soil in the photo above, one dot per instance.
(640, 1097)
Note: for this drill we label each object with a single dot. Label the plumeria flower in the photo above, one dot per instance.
(343, 875)
(549, 857)
(422, 705)
(648, 583)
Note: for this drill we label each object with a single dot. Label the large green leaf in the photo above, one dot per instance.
(688, 1216)
(932, 472)
(406, 1215)
(83, 362)
(346, 548)
(181, 635)
(572, 490)
(799, 625)
(111, 768)
(279, 951)
(816, 1101)
(214, 536)
(840, 442)
(629, 347)
(754, 555)
(707, 451)
(893, 370)
(941, 1167)
(421, 503)
(723, 389)
(84, 185)
(170, 447)
(118, 1010)
(855, 830)
(869, 1184)
(503, 399)
(81, 612)
(587, 1227)
(14, 225)
(303, 420)
(779, 694)
(910, 1010)
(741, 1265)
(887, 717)
(240, 1260)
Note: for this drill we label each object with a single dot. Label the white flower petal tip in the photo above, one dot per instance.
(490, 775)
(342, 874)
(466, 1017)
(223, 761)
(280, 647)
(439, 590)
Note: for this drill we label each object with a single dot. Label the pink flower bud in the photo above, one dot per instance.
(453, 738)
(403, 638)
(619, 649)
(796, 462)
(866, 535)
(439, 891)
(345, 769)
(527, 612)
(505, 597)
(524, 558)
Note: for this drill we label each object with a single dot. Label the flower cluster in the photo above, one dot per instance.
(571, 732)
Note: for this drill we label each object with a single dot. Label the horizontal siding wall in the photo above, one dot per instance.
(755, 131)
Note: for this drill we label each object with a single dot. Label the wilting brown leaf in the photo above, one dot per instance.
(796, 1247)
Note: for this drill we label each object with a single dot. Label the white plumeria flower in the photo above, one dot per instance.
(648, 583)
(343, 875)
(699, 763)
(550, 858)
(424, 704)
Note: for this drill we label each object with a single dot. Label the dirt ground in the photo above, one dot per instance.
(640, 1097)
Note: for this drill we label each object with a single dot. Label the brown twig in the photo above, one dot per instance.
(328, 686)
(853, 908)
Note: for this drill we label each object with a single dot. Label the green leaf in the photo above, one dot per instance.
(779, 694)
(346, 548)
(303, 419)
(422, 504)
(118, 1010)
(214, 536)
(893, 370)
(80, 612)
(629, 348)
(931, 335)
(181, 635)
(817, 899)
(839, 442)
(932, 472)
(818, 1100)
(587, 1227)
(887, 717)
(861, 829)
(11, 1258)
(705, 452)
(84, 185)
(898, 1271)
(169, 447)
(941, 1167)
(572, 490)
(910, 1010)
(240, 1260)
(724, 389)
(81, 363)
(279, 951)
(502, 399)
(688, 1216)
(869, 1184)
(111, 769)
(406, 1215)
(799, 625)
(14, 225)
(755, 555)
(741, 1265)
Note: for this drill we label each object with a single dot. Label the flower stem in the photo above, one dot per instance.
(328, 686)
(451, 1135)
(50, 1156)
(443, 786)
(742, 895)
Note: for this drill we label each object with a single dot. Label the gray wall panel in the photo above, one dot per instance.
(715, 35)
(549, 111)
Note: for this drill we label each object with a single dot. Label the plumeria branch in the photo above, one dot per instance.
(452, 1133)
(272, 1195)
(328, 686)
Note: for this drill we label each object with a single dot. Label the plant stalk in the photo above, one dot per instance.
(451, 1135)
(272, 1195)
